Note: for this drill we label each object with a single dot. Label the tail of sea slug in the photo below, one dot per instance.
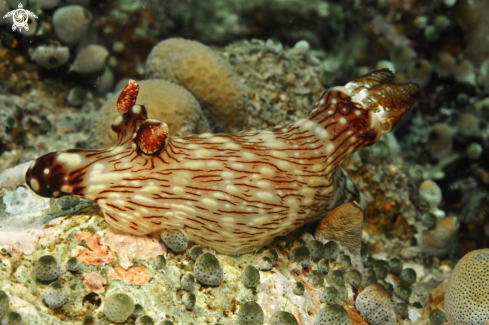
(371, 104)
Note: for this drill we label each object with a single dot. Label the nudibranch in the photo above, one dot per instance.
(232, 192)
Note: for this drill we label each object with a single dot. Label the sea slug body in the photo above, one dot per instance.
(233, 192)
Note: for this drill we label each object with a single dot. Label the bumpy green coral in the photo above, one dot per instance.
(74, 265)
(118, 307)
(345, 262)
(4, 304)
(160, 262)
(208, 270)
(437, 317)
(403, 290)
(264, 263)
(196, 251)
(14, 318)
(166, 322)
(368, 277)
(298, 288)
(250, 313)
(188, 282)
(174, 239)
(89, 320)
(301, 256)
(316, 249)
(333, 315)
(144, 320)
(330, 295)
(354, 278)
(47, 268)
(138, 311)
(55, 295)
(323, 265)
(401, 309)
(331, 250)
(335, 278)
(250, 277)
(381, 268)
(316, 278)
(408, 275)
(189, 300)
(283, 318)
(395, 265)
(271, 254)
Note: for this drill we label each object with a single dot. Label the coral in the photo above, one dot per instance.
(430, 192)
(354, 278)
(206, 75)
(335, 278)
(14, 318)
(333, 315)
(438, 241)
(408, 275)
(4, 304)
(143, 183)
(90, 60)
(188, 282)
(208, 270)
(440, 140)
(301, 255)
(375, 306)
(264, 263)
(298, 288)
(250, 313)
(94, 282)
(21, 241)
(89, 320)
(331, 250)
(135, 275)
(144, 320)
(283, 318)
(403, 290)
(67, 202)
(271, 254)
(130, 248)
(316, 249)
(70, 23)
(165, 101)
(174, 239)
(344, 225)
(118, 307)
(437, 317)
(138, 311)
(330, 295)
(188, 299)
(250, 277)
(467, 290)
(20, 201)
(55, 295)
(196, 251)
(95, 254)
(51, 57)
(160, 262)
(47, 268)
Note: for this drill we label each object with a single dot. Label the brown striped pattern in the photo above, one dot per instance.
(234, 192)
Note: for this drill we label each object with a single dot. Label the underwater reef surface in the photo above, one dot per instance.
(424, 187)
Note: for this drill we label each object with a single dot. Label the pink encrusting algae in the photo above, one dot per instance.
(233, 192)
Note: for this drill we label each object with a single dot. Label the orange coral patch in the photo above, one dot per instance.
(137, 275)
(95, 254)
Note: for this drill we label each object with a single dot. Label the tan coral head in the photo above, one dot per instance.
(376, 92)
